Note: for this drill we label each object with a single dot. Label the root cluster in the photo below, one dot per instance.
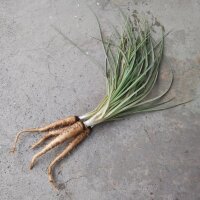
(62, 130)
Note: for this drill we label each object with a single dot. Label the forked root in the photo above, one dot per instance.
(66, 151)
(48, 135)
(60, 123)
(72, 131)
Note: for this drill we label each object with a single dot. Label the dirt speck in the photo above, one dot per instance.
(149, 12)
(61, 186)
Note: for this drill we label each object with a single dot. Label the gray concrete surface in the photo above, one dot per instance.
(153, 156)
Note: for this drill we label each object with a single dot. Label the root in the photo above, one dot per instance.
(13, 149)
(66, 151)
(60, 123)
(72, 131)
(48, 135)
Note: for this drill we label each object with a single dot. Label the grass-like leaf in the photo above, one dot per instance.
(132, 68)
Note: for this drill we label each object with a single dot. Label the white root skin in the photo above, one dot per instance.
(92, 122)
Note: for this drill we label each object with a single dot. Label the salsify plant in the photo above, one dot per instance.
(132, 68)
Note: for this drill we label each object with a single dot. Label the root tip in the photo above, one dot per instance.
(32, 146)
(53, 184)
(31, 165)
(13, 150)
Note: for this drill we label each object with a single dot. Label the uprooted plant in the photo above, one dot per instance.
(132, 68)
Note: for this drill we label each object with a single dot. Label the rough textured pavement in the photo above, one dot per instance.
(153, 156)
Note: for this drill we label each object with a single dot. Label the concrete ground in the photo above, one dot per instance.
(153, 156)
